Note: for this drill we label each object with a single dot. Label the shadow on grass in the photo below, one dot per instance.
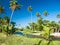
(38, 42)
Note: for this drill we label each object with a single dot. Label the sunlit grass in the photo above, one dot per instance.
(21, 40)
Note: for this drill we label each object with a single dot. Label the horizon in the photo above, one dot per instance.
(22, 16)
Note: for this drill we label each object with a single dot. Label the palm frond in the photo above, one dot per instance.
(45, 13)
(29, 8)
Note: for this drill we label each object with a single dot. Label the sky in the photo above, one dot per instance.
(23, 16)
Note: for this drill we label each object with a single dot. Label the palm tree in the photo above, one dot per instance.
(1, 12)
(45, 13)
(11, 27)
(14, 5)
(59, 26)
(33, 26)
(5, 22)
(58, 15)
(53, 26)
(0, 20)
(8, 29)
(45, 22)
(38, 14)
(0, 24)
(40, 22)
(30, 10)
(1, 9)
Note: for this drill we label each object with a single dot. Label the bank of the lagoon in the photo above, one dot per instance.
(54, 36)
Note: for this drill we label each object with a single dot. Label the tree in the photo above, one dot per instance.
(30, 10)
(1, 9)
(38, 14)
(45, 13)
(52, 24)
(33, 26)
(0, 20)
(0, 25)
(40, 23)
(14, 5)
(1, 12)
(46, 22)
(58, 15)
(5, 22)
(27, 27)
(59, 26)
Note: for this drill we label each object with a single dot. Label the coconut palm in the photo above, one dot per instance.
(38, 14)
(30, 10)
(45, 13)
(59, 26)
(58, 15)
(1, 9)
(0, 20)
(0, 24)
(14, 5)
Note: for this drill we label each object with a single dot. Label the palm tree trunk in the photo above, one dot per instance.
(31, 17)
(11, 17)
(31, 20)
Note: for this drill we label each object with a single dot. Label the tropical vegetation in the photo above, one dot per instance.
(43, 27)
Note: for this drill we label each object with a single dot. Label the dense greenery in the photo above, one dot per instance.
(45, 27)
(5, 27)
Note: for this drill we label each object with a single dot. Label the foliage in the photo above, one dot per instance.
(5, 27)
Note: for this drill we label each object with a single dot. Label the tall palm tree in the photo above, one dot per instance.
(0, 20)
(38, 14)
(59, 25)
(0, 24)
(45, 13)
(1, 12)
(1, 9)
(30, 10)
(14, 5)
(58, 15)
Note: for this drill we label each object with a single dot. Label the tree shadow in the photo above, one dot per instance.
(38, 42)
(49, 42)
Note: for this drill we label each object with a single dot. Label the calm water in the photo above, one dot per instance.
(19, 33)
(22, 34)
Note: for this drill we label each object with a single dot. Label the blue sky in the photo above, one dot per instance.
(22, 16)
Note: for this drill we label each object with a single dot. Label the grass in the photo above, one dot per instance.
(20, 40)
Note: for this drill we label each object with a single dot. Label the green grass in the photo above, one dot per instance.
(20, 40)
